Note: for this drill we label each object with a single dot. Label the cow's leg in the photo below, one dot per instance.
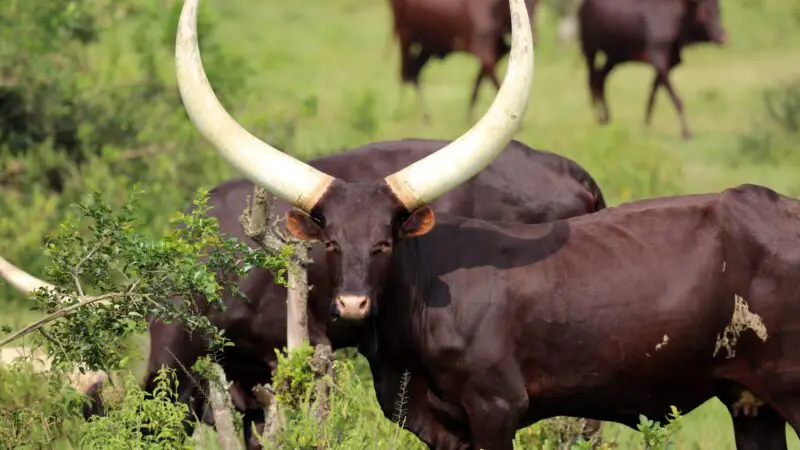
(764, 431)
(591, 69)
(651, 100)
(475, 87)
(172, 347)
(482, 73)
(759, 416)
(253, 418)
(662, 66)
(495, 400)
(410, 67)
(599, 90)
(597, 83)
(487, 51)
(419, 62)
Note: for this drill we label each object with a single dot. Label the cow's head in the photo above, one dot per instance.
(359, 223)
(702, 22)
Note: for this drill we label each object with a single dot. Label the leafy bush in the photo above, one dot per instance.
(36, 409)
(159, 412)
(135, 278)
(355, 420)
(77, 116)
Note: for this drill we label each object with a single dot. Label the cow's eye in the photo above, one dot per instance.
(331, 246)
(382, 247)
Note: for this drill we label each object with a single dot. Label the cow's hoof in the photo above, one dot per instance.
(686, 135)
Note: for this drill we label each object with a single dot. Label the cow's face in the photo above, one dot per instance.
(359, 223)
(703, 23)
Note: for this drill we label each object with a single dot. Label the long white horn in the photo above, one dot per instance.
(19, 279)
(436, 174)
(282, 175)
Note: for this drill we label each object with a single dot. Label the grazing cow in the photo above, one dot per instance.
(610, 315)
(426, 28)
(649, 31)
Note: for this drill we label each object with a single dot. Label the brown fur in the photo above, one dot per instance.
(356, 221)
(504, 324)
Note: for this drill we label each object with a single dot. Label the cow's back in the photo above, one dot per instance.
(521, 185)
(441, 26)
(617, 27)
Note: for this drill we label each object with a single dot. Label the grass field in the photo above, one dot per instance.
(333, 53)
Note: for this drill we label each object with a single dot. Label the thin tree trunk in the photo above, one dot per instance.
(222, 407)
(297, 299)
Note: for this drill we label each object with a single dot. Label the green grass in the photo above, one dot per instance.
(333, 52)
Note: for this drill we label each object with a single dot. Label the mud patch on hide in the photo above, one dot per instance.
(664, 342)
(741, 321)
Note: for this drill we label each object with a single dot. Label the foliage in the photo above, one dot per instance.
(141, 279)
(355, 422)
(657, 437)
(293, 375)
(36, 409)
(158, 412)
(559, 433)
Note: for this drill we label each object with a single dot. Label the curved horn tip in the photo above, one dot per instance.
(427, 179)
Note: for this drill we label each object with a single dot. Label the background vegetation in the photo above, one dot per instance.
(88, 102)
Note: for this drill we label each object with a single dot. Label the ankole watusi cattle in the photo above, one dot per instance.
(650, 31)
(521, 185)
(366, 218)
(360, 221)
(627, 311)
(436, 28)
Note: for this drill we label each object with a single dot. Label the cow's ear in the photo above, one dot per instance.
(302, 226)
(420, 222)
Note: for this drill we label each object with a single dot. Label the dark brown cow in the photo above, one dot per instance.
(649, 31)
(521, 185)
(427, 28)
(607, 316)
(365, 219)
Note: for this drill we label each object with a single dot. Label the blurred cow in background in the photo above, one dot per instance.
(649, 31)
(427, 28)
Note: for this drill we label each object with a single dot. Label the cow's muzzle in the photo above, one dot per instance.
(351, 307)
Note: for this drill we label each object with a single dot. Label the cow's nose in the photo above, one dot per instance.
(352, 307)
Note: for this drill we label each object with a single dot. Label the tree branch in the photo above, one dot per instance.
(85, 301)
